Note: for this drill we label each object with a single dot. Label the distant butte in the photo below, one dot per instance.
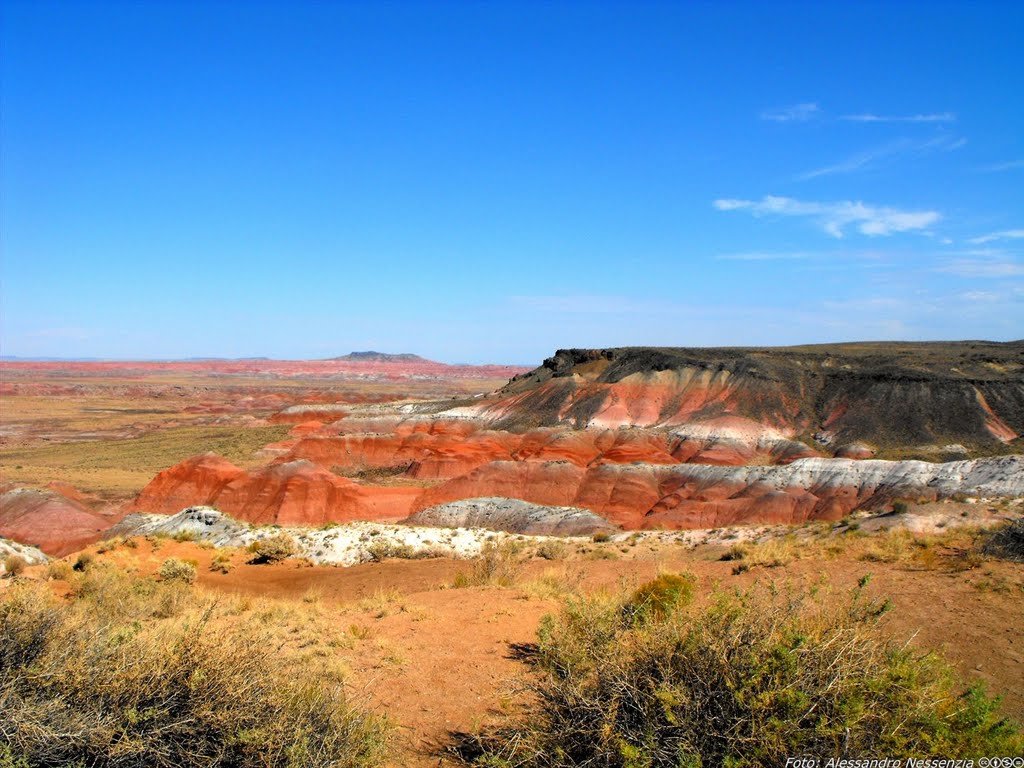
(381, 357)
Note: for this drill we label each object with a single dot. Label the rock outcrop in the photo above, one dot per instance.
(885, 394)
(704, 496)
(31, 555)
(513, 516)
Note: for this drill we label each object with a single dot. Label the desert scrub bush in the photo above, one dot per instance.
(381, 549)
(221, 562)
(273, 549)
(600, 536)
(734, 552)
(496, 566)
(748, 679)
(82, 688)
(109, 545)
(1006, 542)
(83, 561)
(59, 570)
(660, 597)
(551, 549)
(173, 569)
(15, 565)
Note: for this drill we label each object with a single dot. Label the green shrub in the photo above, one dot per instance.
(747, 680)
(80, 687)
(83, 561)
(273, 549)
(900, 507)
(656, 599)
(600, 536)
(173, 569)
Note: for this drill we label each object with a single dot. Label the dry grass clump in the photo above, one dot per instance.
(381, 549)
(97, 681)
(749, 679)
(273, 549)
(552, 549)
(109, 545)
(173, 569)
(221, 562)
(497, 566)
(15, 565)
(59, 570)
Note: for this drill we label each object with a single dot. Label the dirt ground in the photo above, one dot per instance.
(440, 660)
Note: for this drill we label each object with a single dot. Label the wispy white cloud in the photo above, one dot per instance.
(796, 113)
(1006, 234)
(868, 117)
(869, 157)
(1011, 165)
(994, 268)
(834, 218)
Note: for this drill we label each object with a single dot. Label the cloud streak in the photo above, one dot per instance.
(893, 149)
(1010, 165)
(796, 113)
(835, 218)
(1006, 234)
(993, 268)
(868, 117)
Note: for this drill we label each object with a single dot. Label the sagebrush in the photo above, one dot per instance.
(104, 681)
(746, 679)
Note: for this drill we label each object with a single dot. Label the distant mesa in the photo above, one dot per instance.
(381, 357)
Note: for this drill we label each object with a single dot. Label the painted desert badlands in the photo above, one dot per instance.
(392, 479)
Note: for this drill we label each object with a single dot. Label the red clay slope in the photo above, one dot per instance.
(48, 520)
(286, 493)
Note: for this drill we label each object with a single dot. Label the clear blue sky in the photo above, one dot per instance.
(486, 182)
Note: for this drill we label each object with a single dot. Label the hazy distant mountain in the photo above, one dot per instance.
(381, 357)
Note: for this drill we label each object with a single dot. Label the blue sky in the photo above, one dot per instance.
(486, 182)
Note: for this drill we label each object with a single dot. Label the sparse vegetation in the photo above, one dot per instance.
(656, 599)
(381, 549)
(498, 566)
(221, 562)
(83, 561)
(273, 549)
(15, 565)
(1006, 542)
(747, 680)
(173, 569)
(99, 682)
(59, 570)
(551, 549)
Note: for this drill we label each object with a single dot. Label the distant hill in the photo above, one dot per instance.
(381, 357)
